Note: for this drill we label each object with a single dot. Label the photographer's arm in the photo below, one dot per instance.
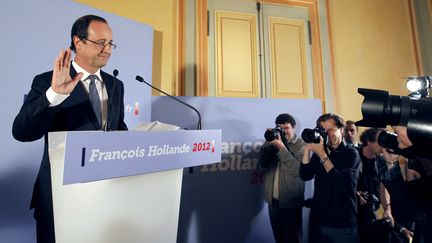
(267, 155)
(318, 149)
(308, 165)
(292, 154)
(404, 231)
(385, 202)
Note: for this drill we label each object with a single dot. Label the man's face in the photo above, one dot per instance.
(92, 56)
(333, 132)
(374, 147)
(351, 133)
(289, 130)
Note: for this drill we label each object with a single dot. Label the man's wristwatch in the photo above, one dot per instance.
(324, 160)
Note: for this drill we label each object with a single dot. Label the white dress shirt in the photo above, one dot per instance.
(56, 99)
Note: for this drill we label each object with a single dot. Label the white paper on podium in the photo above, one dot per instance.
(134, 209)
(155, 126)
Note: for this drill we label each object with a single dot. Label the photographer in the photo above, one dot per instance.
(335, 167)
(280, 155)
(411, 120)
(420, 189)
(371, 191)
(396, 173)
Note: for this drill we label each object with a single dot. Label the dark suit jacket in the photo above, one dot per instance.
(36, 119)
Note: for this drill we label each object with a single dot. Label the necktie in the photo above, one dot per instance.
(94, 98)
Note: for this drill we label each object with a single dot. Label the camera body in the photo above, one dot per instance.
(371, 199)
(313, 135)
(272, 134)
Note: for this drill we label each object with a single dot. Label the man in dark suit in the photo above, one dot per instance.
(63, 100)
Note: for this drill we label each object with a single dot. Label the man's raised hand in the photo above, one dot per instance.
(61, 81)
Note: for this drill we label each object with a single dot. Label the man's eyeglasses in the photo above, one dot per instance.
(102, 44)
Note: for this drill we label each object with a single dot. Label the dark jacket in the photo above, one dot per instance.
(36, 119)
(334, 202)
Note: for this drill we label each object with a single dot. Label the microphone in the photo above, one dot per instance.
(140, 79)
(106, 126)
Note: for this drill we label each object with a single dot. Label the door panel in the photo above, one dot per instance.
(236, 69)
(289, 76)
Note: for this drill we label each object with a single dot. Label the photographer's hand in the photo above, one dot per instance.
(412, 175)
(318, 149)
(387, 214)
(362, 201)
(278, 143)
(402, 138)
(407, 233)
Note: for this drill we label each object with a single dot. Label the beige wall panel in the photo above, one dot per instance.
(236, 55)
(288, 58)
(162, 15)
(373, 47)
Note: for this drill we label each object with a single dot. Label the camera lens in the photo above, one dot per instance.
(380, 109)
(271, 135)
(388, 140)
(310, 136)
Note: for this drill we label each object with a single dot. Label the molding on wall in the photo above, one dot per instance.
(430, 9)
(336, 98)
(181, 67)
(202, 49)
(414, 34)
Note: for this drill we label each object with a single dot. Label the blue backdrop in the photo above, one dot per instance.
(32, 34)
(223, 202)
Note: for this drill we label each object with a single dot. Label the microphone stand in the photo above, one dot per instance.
(141, 79)
(106, 127)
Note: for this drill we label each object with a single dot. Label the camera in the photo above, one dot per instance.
(388, 140)
(371, 199)
(313, 135)
(272, 134)
(380, 109)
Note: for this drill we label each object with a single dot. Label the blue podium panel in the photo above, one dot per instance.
(93, 155)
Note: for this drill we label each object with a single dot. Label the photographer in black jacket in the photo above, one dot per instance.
(335, 167)
(420, 189)
(371, 191)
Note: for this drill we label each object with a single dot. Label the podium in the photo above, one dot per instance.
(123, 186)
